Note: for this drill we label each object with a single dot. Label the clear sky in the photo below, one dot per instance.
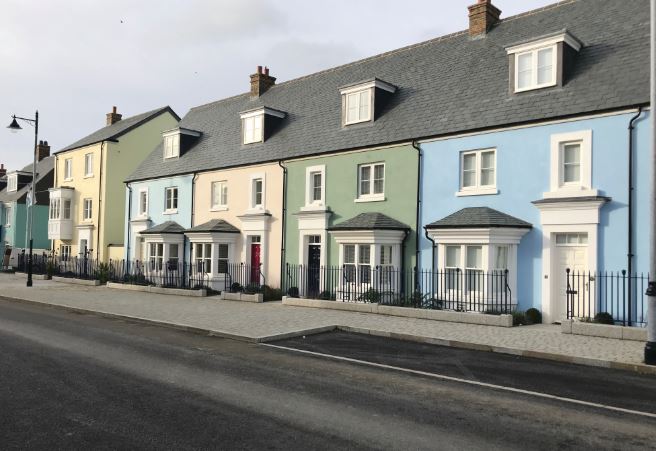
(74, 59)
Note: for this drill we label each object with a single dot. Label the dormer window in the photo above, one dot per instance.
(257, 125)
(177, 140)
(172, 146)
(541, 63)
(252, 127)
(12, 182)
(359, 101)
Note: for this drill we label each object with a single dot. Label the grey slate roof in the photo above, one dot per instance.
(478, 217)
(114, 131)
(446, 85)
(43, 168)
(165, 227)
(370, 221)
(214, 225)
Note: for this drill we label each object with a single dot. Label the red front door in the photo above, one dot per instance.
(255, 263)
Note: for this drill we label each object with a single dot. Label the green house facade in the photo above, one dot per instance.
(350, 210)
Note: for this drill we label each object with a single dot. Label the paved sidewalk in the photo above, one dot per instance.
(264, 322)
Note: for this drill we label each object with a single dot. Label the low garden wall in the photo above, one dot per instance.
(158, 290)
(437, 315)
(574, 327)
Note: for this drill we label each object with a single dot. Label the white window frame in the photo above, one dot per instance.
(155, 259)
(54, 212)
(477, 189)
(87, 209)
(204, 257)
(171, 145)
(253, 205)
(534, 68)
(173, 208)
(65, 251)
(370, 196)
(8, 214)
(88, 164)
(221, 204)
(356, 96)
(559, 188)
(257, 133)
(12, 183)
(310, 171)
(68, 169)
(143, 194)
(66, 213)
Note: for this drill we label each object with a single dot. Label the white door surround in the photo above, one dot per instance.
(567, 215)
(575, 258)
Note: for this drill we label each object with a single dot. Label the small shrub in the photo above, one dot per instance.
(533, 316)
(370, 296)
(292, 292)
(604, 318)
(252, 288)
(235, 287)
(519, 318)
(50, 268)
(102, 273)
(326, 296)
(271, 294)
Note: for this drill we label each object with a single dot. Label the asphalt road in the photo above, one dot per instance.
(71, 381)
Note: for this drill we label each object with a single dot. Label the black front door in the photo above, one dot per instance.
(314, 270)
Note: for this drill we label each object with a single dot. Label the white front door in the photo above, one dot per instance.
(571, 251)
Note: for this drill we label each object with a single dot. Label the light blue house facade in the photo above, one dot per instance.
(579, 220)
(158, 211)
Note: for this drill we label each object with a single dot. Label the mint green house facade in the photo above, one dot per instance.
(351, 209)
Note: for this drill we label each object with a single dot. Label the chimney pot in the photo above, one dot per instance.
(482, 17)
(113, 117)
(261, 81)
(42, 150)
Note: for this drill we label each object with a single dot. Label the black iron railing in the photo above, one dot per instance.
(242, 277)
(589, 293)
(157, 272)
(479, 291)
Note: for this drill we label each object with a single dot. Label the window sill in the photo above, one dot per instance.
(313, 207)
(477, 192)
(571, 191)
(347, 124)
(68, 180)
(377, 198)
(535, 88)
(219, 208)
(170, 212)
(88, 176)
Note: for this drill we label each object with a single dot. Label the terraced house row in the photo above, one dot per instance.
(476, 168)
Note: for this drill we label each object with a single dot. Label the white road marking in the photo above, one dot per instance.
(469, 382)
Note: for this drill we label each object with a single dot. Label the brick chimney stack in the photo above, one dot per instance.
(42, 150)
(261, 82)
(482, 17)
(113, 117)
(3, 171)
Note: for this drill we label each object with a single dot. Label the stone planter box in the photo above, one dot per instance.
(158, 290)
(570, 326)
(258, 297)
(437, 315)
(34, 276)
(91, 283)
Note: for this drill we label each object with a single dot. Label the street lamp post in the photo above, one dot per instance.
(14, 127)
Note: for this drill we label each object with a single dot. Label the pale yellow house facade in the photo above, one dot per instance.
(87, 201)
(250, 199)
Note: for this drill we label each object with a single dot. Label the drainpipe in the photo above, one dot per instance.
(416, 145)
(433, 280)
(629, 253)
(193, 198)
(405, 236)
(284, 219)
(650, 347)
(127, 255)
(102, 144)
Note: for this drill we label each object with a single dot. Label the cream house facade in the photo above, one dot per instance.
(87, 201)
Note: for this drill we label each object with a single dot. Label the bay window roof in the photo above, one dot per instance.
(214, 226)
(479, 218)
(370, 221)
(168, 227)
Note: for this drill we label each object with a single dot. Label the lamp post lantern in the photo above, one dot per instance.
(14, 127)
